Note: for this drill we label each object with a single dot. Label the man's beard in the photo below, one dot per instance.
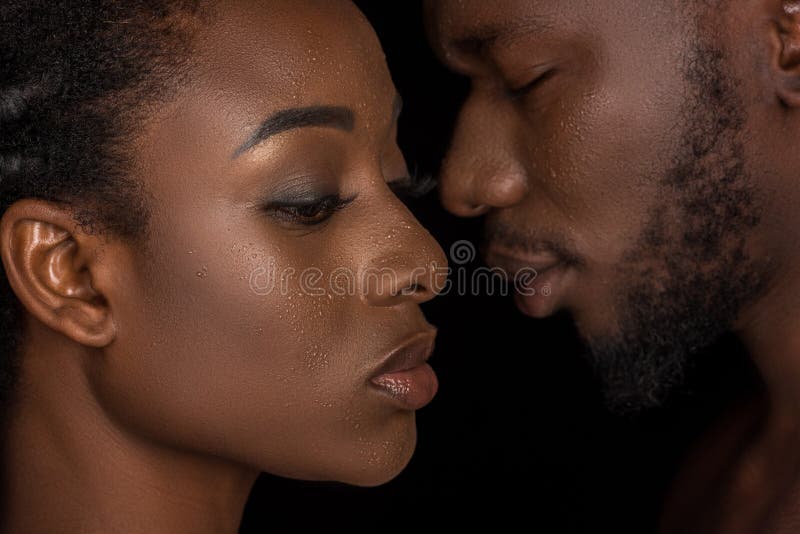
(687, 278)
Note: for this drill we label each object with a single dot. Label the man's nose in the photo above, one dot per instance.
(481, 171)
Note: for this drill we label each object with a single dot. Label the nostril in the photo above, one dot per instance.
(413, 289)
(466, 209)
(480, 209)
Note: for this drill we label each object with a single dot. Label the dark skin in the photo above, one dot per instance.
(156, 386)
(569, 171)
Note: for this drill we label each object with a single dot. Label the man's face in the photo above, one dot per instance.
(605, 143)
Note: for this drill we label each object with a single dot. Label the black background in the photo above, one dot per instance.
(517, 432)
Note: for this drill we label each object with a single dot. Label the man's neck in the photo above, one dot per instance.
(770, 329)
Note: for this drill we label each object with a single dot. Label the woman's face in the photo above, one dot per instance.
(231, 340)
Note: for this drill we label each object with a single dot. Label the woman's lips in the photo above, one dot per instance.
(404, 377)
(539, 280)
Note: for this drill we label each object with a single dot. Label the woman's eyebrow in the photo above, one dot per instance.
(339, 117)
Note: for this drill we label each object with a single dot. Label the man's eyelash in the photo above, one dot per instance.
(519, 92)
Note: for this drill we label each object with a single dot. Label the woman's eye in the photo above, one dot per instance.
(308, 213)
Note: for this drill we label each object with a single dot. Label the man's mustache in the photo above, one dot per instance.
(497, 232)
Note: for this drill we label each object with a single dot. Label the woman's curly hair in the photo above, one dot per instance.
(77, 78)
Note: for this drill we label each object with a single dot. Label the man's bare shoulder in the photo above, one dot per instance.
(703, 478)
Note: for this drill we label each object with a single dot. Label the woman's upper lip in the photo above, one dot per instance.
(412, 352)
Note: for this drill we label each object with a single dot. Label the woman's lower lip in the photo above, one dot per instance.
(410, 389)
(541, 296)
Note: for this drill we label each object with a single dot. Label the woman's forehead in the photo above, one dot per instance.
(258, 58)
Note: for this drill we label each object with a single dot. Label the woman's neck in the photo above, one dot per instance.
(69, 467)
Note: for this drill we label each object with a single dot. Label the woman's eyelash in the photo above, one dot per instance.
(309, 212)
(413, 186)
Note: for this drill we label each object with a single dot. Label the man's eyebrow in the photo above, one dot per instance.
(339, 117)
(479, 40)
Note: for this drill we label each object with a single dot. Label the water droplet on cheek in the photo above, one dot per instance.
(202, 273)
(325, 403)
(316, 360)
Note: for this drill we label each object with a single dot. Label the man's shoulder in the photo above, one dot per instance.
(700, 478)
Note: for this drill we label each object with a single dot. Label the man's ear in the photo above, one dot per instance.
(51, 266)
(789, 54)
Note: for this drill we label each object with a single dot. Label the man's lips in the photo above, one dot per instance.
(512, 261)
(539, 279)
(404, 375)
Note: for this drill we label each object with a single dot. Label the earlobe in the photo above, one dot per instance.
(789, 59)
(49, 263)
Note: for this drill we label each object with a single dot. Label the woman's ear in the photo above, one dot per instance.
(51, 266)
(789, 58)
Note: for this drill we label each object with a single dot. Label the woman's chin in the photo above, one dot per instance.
(365, 461)
(384, 458)
(383, 467)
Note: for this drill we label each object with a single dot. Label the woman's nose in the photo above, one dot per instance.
(407, 266)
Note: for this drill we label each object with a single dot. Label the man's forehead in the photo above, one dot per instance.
(464, 23)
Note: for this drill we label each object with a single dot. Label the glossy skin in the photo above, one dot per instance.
(573, 144)
(575, 160)
(188, 381)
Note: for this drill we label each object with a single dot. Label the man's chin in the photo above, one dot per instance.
(635, 378)
(632, 376)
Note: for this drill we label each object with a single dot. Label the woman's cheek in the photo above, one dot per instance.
(258, 370)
